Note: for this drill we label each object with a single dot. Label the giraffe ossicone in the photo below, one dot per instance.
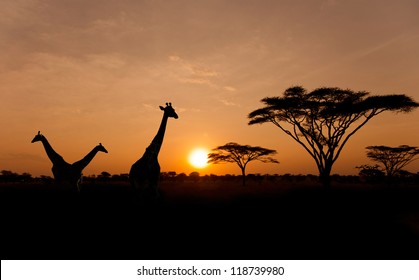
(145, 173)
(63, 171)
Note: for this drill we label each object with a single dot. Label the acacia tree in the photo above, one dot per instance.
(322, 121)
(241, 155)
(393, 158)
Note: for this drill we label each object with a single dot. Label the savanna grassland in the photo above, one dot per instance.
(266, 219)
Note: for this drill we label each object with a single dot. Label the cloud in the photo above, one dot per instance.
(21, 157)
(174, 58)
(149, 107)
(104, 24)
(107, 61)
(229, 103)
(192, 73)
(228, 88)
(202, 72)
(13, 12)
(196, 81)
(68, 88)
(328, 3)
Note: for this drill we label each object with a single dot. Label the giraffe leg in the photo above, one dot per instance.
(138, 185)
(78, 185)
(154, 182)
(65, 177)
(153, 186)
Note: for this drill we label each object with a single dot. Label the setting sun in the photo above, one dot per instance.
(198, 158)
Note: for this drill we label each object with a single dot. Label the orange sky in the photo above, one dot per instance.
(85, 72)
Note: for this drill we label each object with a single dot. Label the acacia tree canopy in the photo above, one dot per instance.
(393, 158)
(241, 155)
(323, 120)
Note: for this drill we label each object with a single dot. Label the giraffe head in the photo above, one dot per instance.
(37, 137)
(100, 148)
(169, 111)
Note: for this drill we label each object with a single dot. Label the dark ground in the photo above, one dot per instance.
(211, 222)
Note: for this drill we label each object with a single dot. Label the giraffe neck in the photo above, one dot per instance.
(155, 145)
(52, 155)
(81, 164)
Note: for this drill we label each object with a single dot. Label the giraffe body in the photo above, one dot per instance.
(145, 173)
(63, 171)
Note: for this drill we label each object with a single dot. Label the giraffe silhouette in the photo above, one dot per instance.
(62, 170)
(145, 173)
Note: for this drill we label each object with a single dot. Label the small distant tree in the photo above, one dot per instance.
(392, 158)
(322, 121)
(46, 179)
(241, 155)
(194, 176)
(9, 176)
(181, 177)
(171, 174)
(104, 176)
(371, 173)
(25, 177)
(370, 170)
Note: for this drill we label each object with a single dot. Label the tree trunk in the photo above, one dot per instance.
(325, 176)
(243, 176)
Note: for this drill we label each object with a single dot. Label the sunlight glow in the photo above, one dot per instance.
(198, 158)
